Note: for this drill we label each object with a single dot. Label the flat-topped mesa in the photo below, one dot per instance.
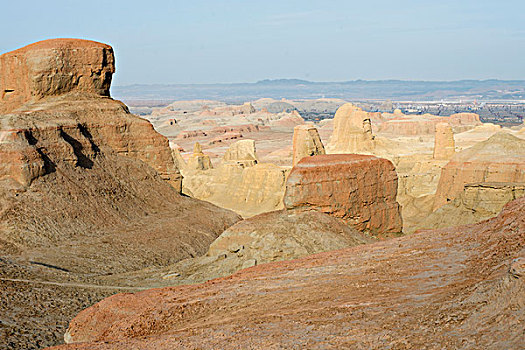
(306, 142)
(464, 118)
(352, 131)
(359, 189)
(54, 67)
(501, 158)
(242, 153)
(444, 146)
(55, 106)
(425, 124)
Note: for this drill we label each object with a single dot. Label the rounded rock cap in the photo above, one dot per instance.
(54, 67)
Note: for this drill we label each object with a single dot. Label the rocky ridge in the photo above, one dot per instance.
(438, 289)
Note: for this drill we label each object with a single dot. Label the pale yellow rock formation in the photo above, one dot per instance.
(306, 142)
(398, 113)
(242, 152)
(444, 146)
(352, 131)
(246, 190)
(418, 180)
(501, 158)
(477, 202)
(198, 160)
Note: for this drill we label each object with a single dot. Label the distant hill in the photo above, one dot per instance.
(480, 90)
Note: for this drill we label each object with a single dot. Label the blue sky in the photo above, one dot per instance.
(197, 41)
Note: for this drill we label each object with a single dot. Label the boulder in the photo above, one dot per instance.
(360, 189)
(306, 142)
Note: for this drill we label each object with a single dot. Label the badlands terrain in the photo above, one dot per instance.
(256, 227)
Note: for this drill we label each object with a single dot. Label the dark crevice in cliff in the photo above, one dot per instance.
(82, 160)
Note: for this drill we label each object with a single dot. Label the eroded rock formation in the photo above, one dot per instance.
(400, 124)
(242, 152)
(82, 190)
(198, 160)
(444, 146)
(306, 142)
(68, 80)
(247, 190)
(268, 237)
(501, 158)
(352, 131)
(359, 189)
(52, 68)
(477, 202)
(446, 289)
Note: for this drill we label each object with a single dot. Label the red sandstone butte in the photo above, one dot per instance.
(360, 189)
(61, 87)
(455, 288)
(54, 67)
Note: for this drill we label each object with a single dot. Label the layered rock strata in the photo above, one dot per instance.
(360, 189)
(425, 124)
(67, 81)
(501, 158)
(477, 202)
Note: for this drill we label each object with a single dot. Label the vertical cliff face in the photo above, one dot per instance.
(242, 152)
(306, 142)
(501, 158)
(57, 92)
(359, 189)
(444, 146)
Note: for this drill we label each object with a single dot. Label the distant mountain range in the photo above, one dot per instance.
(399, 90)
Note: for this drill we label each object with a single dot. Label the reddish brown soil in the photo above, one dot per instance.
(438, 289)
